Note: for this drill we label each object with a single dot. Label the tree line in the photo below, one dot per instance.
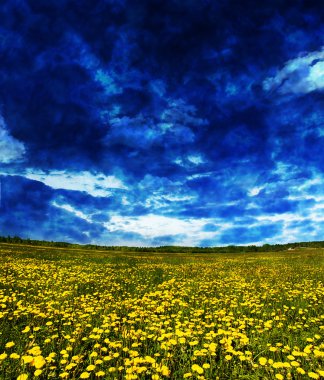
(167, 249)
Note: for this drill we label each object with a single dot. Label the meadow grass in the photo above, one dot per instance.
(71, 314)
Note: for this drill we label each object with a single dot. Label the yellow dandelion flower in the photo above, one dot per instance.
(10, 344)
(70, 366)
(313, 375)
(27, 359)
(165, 371)
(39, 362)
(23, 376)
(85, 375)
(14, 356)
(318, 353)
(197, 368)
(263, 361)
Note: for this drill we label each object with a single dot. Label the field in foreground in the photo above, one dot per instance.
(75, 314)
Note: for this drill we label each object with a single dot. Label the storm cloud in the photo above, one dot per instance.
(162, 122)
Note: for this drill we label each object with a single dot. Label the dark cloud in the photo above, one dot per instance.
(191, 105)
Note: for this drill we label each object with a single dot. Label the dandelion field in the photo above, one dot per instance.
(77, 314)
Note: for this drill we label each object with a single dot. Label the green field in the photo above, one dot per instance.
(71, 314)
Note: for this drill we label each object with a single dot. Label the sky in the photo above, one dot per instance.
(162, 122)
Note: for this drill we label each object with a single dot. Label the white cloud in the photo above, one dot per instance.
(164, 200)
(255, 191)
(315, 214)
(196, 159)
(299, 76)
(190, 160)
(153, 226)
(72, 210)
(98, 185)
(307, 194)
(11, 150)
(178, 198)
(284, 217)
(201, 175)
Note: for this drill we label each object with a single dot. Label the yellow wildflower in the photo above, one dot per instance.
(313, 375)
(263, 361)
(197, 368)
(23, 376)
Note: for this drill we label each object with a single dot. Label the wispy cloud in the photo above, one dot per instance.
(73, 211)
(299, 75)
(97, 185)
(11, 149)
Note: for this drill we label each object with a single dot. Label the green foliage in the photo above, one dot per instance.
(167, 248)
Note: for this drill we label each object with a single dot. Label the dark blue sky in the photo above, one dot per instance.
(162, 122)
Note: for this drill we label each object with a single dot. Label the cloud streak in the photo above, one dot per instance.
(97, 185)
